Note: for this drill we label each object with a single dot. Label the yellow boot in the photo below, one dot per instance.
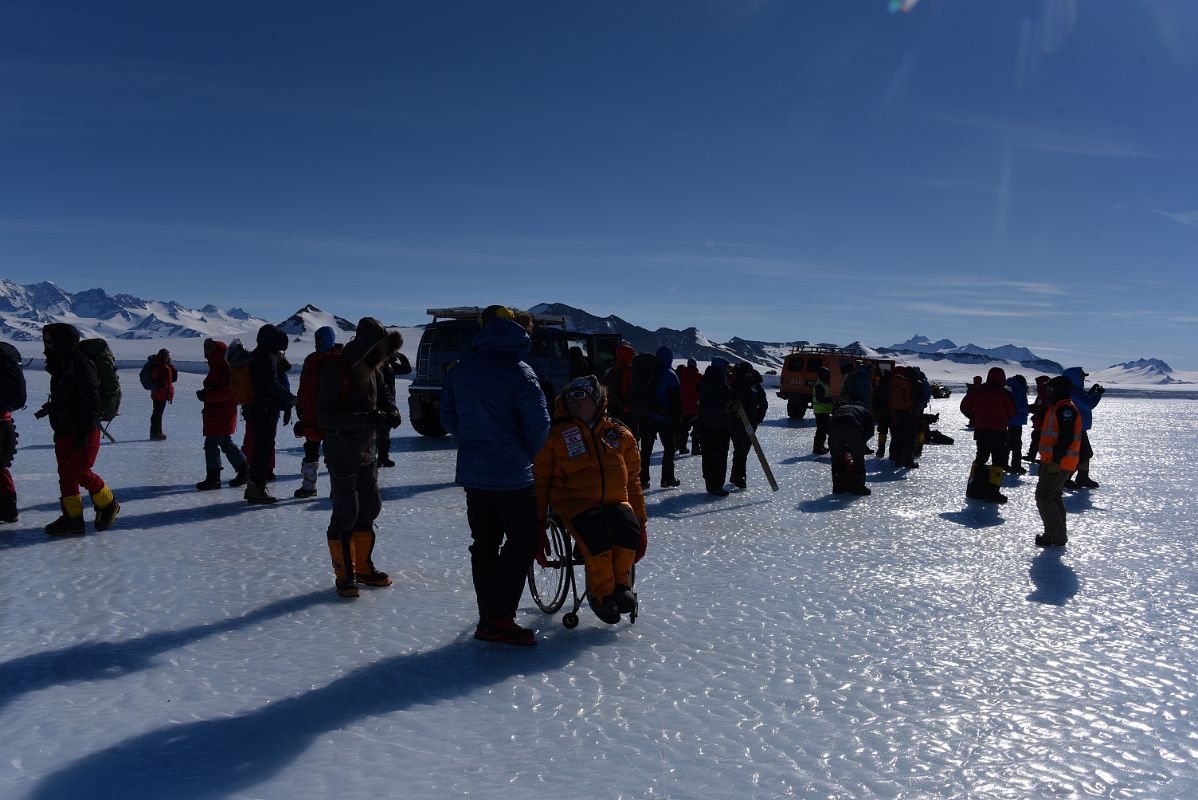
(342, 550)
(106, 508)
(71, 521)
(364, 569)
(994, 495)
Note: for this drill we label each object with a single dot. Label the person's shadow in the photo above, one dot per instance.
(224, 756)
(96, 661)
(976, 515)
(1055, 581)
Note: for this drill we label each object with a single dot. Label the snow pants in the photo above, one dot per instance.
(215, 445)
(741, 445)
(715, 456)
(608, 537)
(506, 535)
(846, 437)
(902, 438)
(156, 417)
(1014, 451)
(247, 441)
(1051, 505)
(260, 430)
(76, 454)
(651, 429)
(821, 432)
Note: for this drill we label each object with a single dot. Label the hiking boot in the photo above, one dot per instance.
(1087, 483)
(861, 490)
(819, 451)
(240, 479)
(606, 610)
(385, 462)
(670, 483)
(740, 483)
(1044, 540)
(212, 481)
(718, 492)
(505, 631)
(8, 509)
(304, 492)
(66, 526)
(1072, 485)
(106, 516)
(256, 493)
(911, 465)
(347, 589)
(157, 437)
(376, 577)
(625, 599)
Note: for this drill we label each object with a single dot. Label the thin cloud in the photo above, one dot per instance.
(965, 311)
(1050, 140)
(1187, 218)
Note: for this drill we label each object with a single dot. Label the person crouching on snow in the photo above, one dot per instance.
(351, 404)
(587, 472)
(74, 411)
(849, 428)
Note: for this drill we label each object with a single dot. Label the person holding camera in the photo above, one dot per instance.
(351, 405)
(1085, 400)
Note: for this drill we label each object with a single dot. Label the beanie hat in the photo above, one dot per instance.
(325, 337)
(588, 384)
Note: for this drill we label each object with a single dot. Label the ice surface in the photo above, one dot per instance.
(797, 644)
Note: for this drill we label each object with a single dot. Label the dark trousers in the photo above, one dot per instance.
(715, 456)
(741, 445)
(651, 429)
(262, 427)
(311, 451)
(821, 431)
(156, 417)
(354, 491)
(992, 447)
(504, 528)
(8, 451)
(902, 438)
(1014, 452)
(681, 434)
(382, 441)
(215, 445)
(847, 438)
(76, 454)
(1051, 505)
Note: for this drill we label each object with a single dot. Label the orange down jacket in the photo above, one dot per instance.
(580, 468)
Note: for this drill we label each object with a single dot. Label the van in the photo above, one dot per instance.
(800, 371)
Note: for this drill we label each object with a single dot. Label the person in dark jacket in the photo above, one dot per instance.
(1084, 400)
(1060, 451)
(881, 409)
(220, 420)
(271, 397)
(662, 421)
(990, 407)
(163, 375)
(14, 399)
(714, 424)
(1017, 386)
(849, 429)
(352, 404)
(748, 394)
(493, 405)
(904, 427)
(74, 411)
(307, 424)
(1037, 410)
(688, 396)
(617, 382)
(397, 364)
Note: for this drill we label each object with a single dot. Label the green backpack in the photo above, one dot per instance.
(100, 354)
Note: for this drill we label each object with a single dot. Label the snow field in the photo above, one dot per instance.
(791, 644)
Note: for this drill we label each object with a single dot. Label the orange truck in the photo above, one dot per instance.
(800, 371)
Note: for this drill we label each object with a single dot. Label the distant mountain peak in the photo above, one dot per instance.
(1144, 363)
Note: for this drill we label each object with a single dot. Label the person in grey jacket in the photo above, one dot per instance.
(493, 405)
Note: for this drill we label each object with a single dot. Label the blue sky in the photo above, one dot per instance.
(827, 170)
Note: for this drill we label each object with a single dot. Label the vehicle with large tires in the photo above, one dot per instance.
(800, 371)
(450, 335)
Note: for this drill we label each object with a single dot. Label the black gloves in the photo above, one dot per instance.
(287, 416)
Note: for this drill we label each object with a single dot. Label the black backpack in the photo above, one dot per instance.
(12, 378)
(642, 392)
(146, 378)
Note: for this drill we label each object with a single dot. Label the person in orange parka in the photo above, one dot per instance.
(688, 380)
(163, 376)
(220, 419)
(588, 474)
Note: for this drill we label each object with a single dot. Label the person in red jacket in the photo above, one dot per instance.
(220, 419)
(617, 381)
(163, 376)
(306, 426)
(990, 407)
(689, 377)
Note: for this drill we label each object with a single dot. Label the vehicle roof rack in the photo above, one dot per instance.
(827, 349)
(474, 312)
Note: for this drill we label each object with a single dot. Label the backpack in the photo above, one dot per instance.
(239, 359)
(309, 384)
(12, 378)
(642, 392)
(98, 352)
(145, 376)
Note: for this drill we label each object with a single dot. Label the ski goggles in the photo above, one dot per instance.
(577, 394)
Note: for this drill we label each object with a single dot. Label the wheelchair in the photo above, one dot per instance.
(551, 585)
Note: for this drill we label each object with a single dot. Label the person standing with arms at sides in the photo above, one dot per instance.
(688, 383)
(397, 364)
(1060, 452)
(990, 407)
(161, 377)
(1084, 400)
(271, 396)
(617, 381)
(493, 405)
(821, 405)
(307, 426)
(714, 425)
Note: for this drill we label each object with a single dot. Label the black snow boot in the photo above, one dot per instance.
(8, 508)
(211, 481)
(241, 478)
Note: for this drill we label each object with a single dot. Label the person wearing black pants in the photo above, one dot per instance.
(714, 425)
(498, 566)
(271, 397)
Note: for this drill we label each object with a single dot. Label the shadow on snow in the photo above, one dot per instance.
(1055, 581)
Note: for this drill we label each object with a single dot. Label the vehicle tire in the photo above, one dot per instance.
(427, 426)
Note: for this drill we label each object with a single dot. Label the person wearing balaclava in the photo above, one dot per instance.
(306, 425)
(74, 411)
(351, 405)
(268, 369)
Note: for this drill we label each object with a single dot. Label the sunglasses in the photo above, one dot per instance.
(577, 394)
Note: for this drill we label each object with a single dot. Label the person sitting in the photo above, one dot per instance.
(587, 472)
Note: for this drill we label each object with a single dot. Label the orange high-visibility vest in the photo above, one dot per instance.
(1049, 434)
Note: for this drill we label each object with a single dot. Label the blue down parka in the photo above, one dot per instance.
(494, 407)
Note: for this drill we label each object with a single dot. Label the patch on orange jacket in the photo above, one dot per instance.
(575, 446)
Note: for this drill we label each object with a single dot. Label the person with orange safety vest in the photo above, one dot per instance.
(1060, 452)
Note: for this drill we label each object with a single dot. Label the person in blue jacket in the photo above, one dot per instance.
(493, 405)
(1085, 400)
(1017, 386)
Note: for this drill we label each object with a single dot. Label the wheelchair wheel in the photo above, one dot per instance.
(550, 585)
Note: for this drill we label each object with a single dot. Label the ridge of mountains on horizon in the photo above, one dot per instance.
(24, 309)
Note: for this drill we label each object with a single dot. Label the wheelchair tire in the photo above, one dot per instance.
(550, 585)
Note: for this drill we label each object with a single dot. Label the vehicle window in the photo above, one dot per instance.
(814, 364)
(453, 337)
(795, 364)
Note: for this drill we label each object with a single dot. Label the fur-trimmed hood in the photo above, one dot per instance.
(371, 348)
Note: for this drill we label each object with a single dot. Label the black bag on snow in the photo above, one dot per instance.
(642, 392)
(12, 378)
